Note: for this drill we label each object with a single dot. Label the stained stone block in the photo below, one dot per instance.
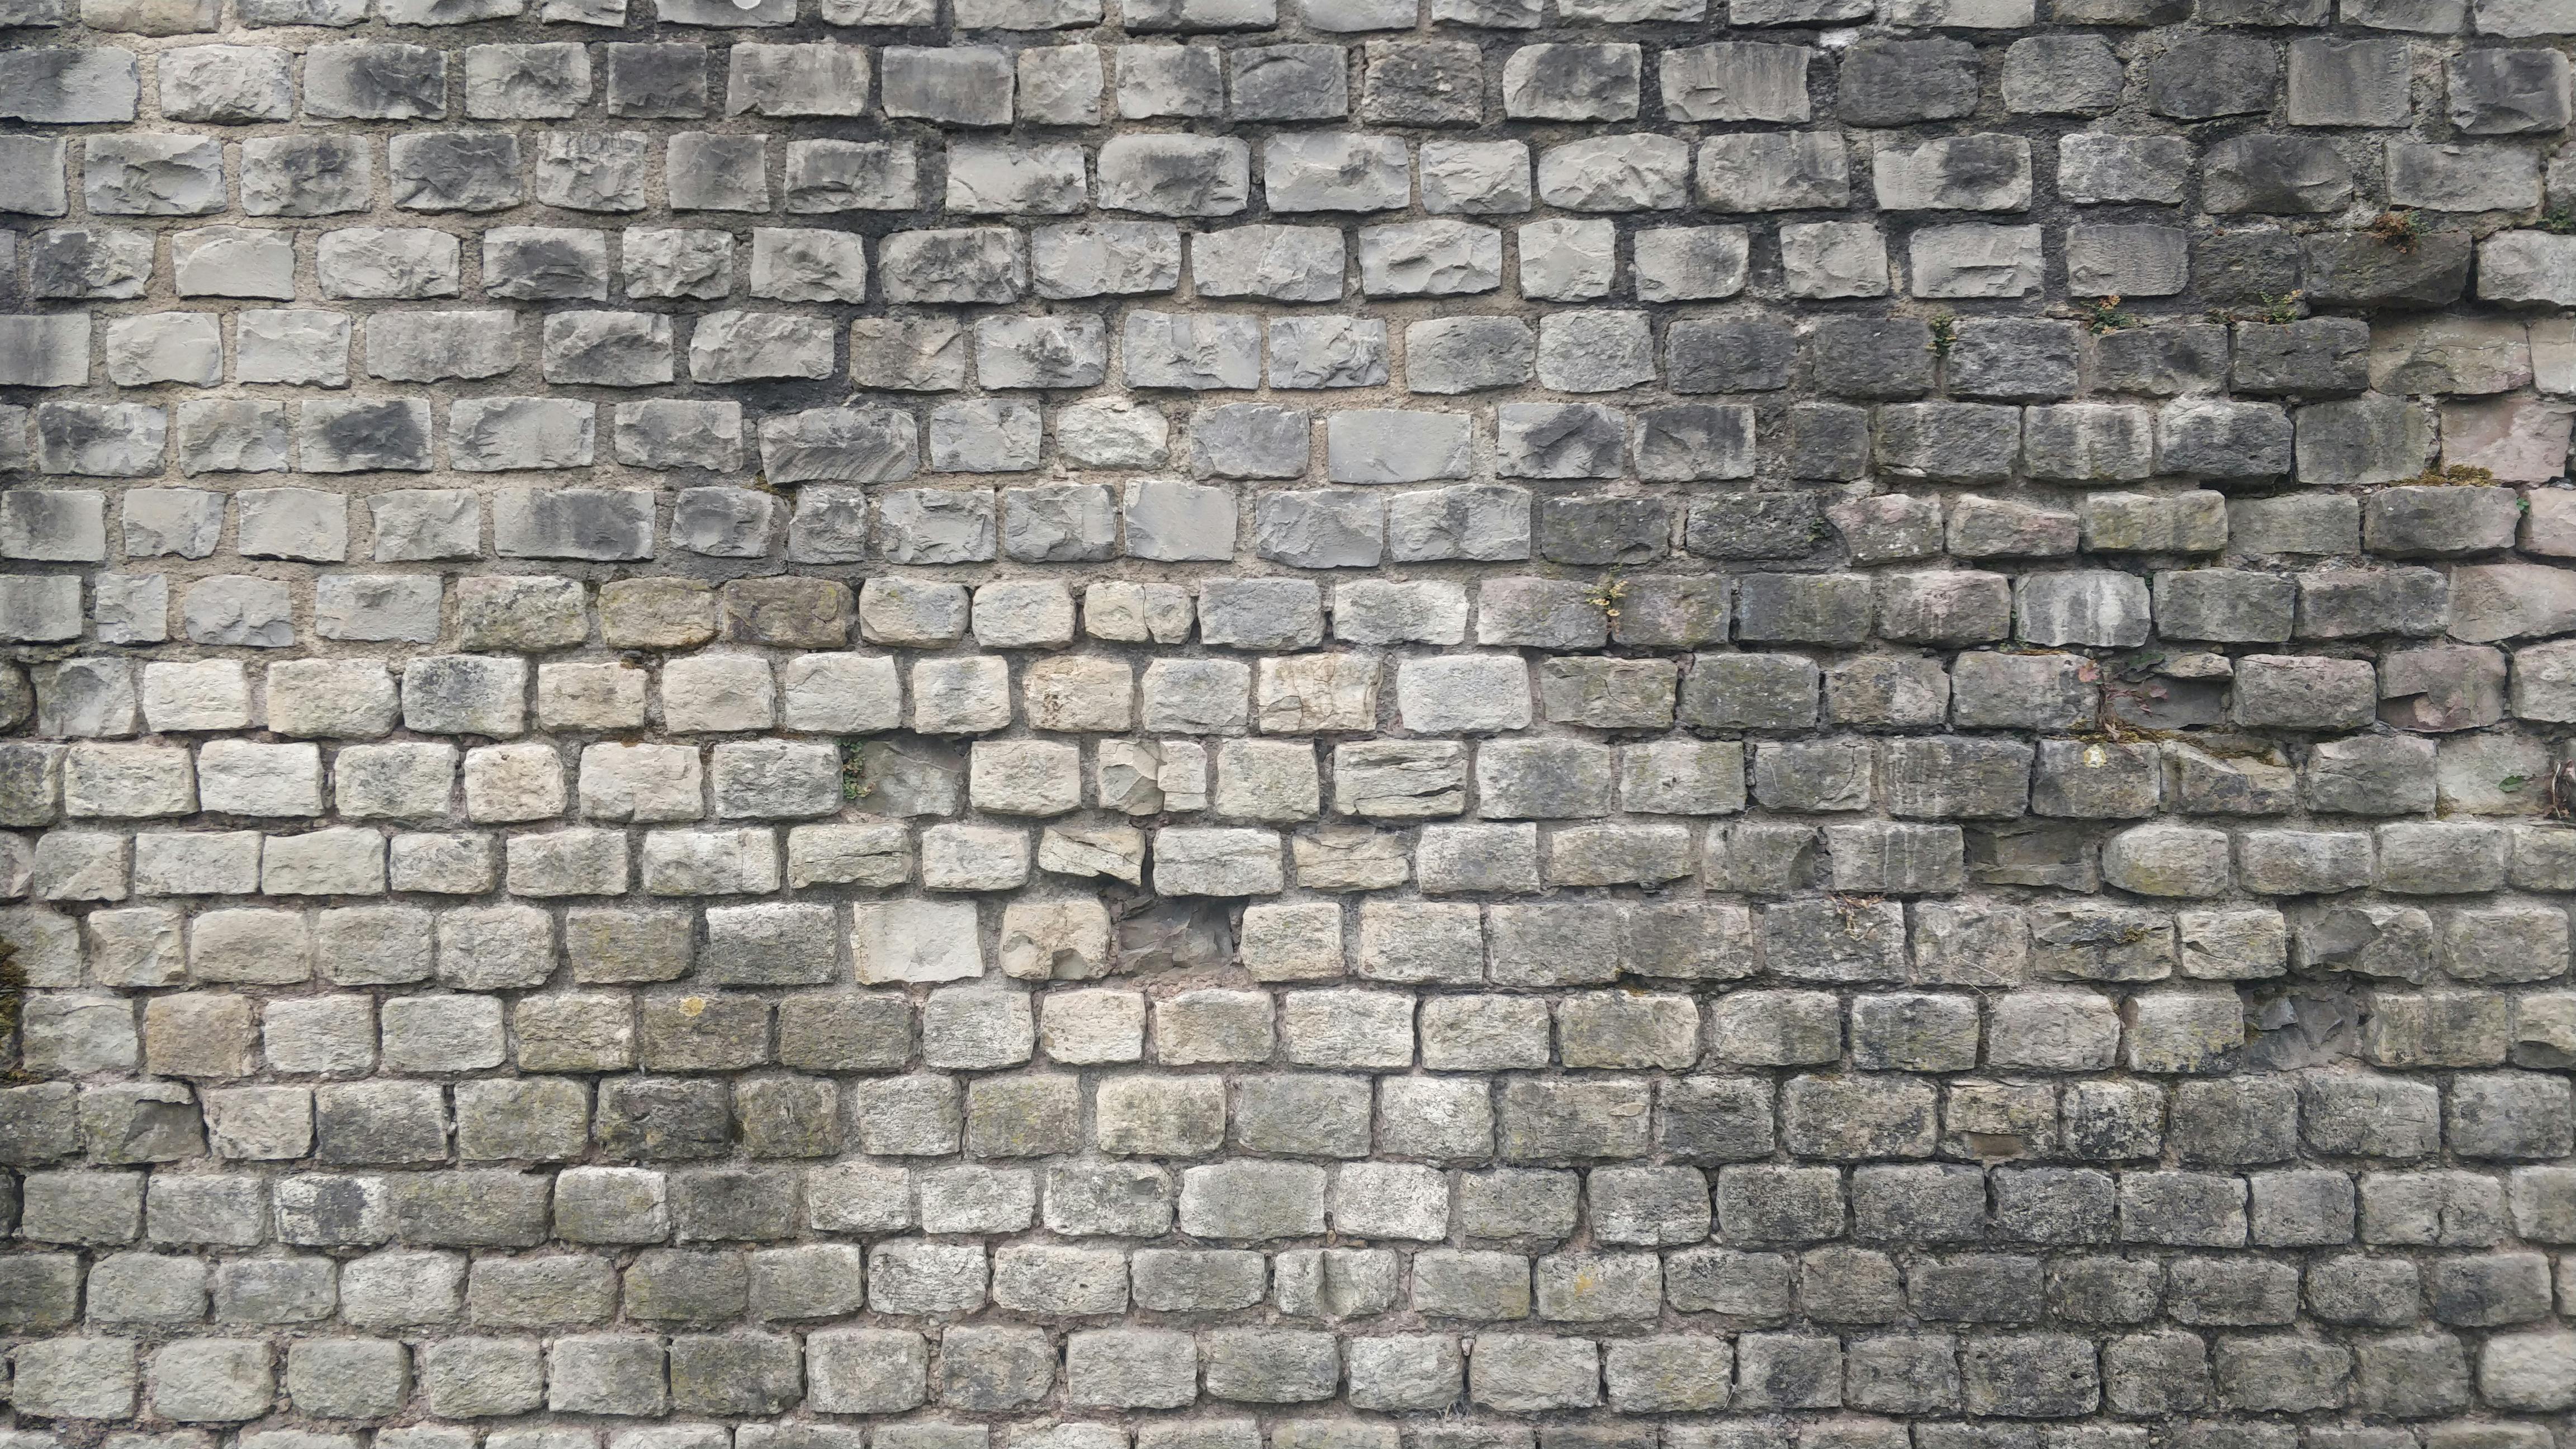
(656, 81)
(1175, 175)
(1572, 82)
(1557, 442)
(797, 80)
(375, 82)
(1896, 82)
(2283, 175)
(1690, 264)
(1421, 83)
(1960, 173)
(1170, 80)
(2249, 264)
(2214, 75)
(455, 171)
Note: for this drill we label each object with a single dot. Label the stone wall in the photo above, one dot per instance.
(882, 725)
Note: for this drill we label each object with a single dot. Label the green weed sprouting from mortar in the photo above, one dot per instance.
(1606, 595)
(2103, 314)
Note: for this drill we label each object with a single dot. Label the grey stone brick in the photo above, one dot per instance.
(1615, 173)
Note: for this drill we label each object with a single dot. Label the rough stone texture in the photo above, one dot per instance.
(1634, 724)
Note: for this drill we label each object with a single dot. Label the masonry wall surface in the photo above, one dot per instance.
(1394, 724)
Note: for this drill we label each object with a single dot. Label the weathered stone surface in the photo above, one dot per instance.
(722, 798)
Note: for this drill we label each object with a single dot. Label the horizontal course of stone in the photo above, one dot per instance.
(1376, 724)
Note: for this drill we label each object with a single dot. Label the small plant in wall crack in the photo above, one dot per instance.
(1606, 595)
(2558, 790)
(2453, 475)
(1945, 334)
(2103, 314)
(2399, 230)
(2277, 308)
